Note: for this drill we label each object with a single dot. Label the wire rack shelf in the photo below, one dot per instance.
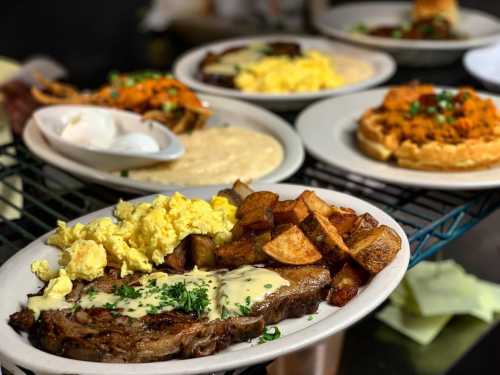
(36, 195)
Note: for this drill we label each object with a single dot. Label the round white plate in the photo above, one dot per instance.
(328, 130)
(186, 68)
(484, 65)
(481, 29)
(17, 281)
(226, 111)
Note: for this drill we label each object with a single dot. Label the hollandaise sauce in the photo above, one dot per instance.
(214, 294)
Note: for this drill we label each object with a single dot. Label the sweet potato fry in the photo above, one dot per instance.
(292, 247)
(290, 211)
(315, 203)
(260, 199)
(376, 249)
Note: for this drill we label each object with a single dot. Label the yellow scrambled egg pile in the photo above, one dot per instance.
(281, 74)
(142, 235)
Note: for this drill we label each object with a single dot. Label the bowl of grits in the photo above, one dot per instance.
(282, 72)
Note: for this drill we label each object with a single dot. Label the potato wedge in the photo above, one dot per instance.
(375, 249)
(277, 230)
(322, 233)
(363, 224)
(242, 189)
(260, 199)
(238, 231)
(292, 247)
(315, 203)
(327, 240)
(345, 284)
(231, 195)
(246, 250)
(259, 219)
(237, 193)
(178, 259)
(290, 211)
(343, 219)
(202, 251)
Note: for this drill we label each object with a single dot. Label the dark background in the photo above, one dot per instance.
(92, 37)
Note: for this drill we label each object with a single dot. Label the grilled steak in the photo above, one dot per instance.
(302, 296)
(99, 335)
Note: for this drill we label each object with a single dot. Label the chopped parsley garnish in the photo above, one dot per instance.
(245, 309)
(268, 286)
(126, 291)
(124, 173)
(360, 28)
(168, 106)
(112, 76)
(445, 95)
(75, 308)
(310, 317)
(398, 34)
(269, 335)
(225, 313)
(190, 301)
(91, 293)
(153, 310)
(172, 91)
(110, 306)
(441, 119)
(414, 108)
(431, 110)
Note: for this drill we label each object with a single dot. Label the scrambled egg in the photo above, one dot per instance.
(42, 270)
(84, 259)
(281, 74)
(53, 295)
(142, 235)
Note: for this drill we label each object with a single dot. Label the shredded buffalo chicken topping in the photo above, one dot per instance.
(420, 114)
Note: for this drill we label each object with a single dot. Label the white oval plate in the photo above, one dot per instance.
(328, 130)
(226, 111)
(484, 64)
(17, 281)
(481, 28)
(186, 68)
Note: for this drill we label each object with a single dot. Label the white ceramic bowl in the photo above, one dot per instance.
(186, 68)
(17, 281)
(49, 122)
(481, 28)
(484, 64)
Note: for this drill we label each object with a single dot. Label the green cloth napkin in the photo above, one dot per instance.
(431, 293)
(420, 329)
